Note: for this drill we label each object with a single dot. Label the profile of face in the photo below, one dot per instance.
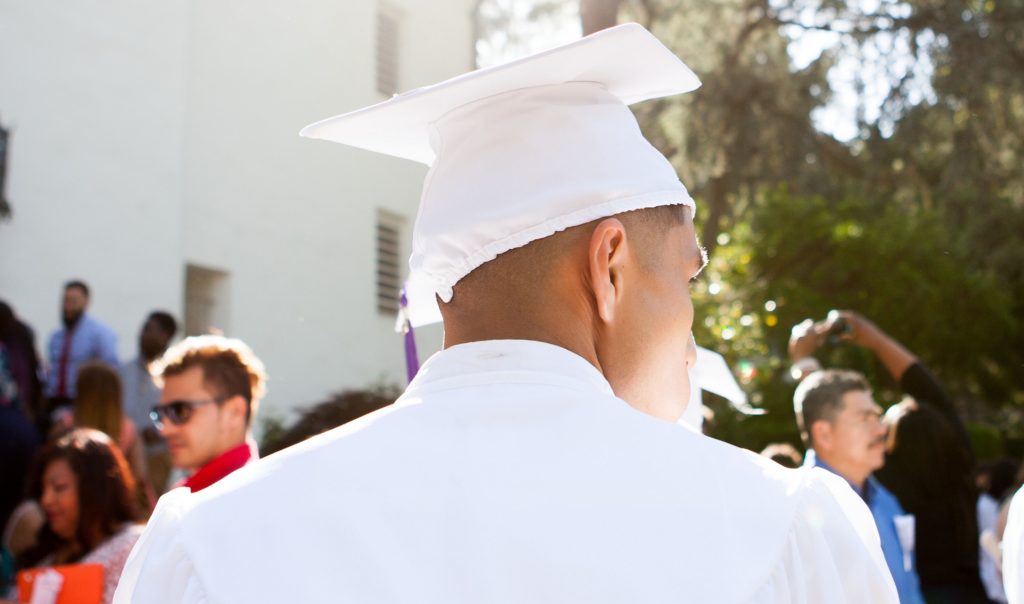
(649, 344)
(60, 498)
(209, 427)
(153, 340)
(854, 442)
(73, 304)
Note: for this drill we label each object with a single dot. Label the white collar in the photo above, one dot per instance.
(495, 361)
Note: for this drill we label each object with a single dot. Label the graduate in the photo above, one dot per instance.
(535, 458)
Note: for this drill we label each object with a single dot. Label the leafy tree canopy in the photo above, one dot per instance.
(916, 221)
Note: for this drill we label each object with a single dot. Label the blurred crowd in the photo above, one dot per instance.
(940, 515)
(90, 443)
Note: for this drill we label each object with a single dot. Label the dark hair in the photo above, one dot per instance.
(929, 468)
(1002, 476)
(820, 397)
(521, 270)
(7, 320)
(165, 322)
(106, 492)
(925, 453)
(229, 367)
(79, 284)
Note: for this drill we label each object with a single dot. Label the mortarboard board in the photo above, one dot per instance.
(523, 150)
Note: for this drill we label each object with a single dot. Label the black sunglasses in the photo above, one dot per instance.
(178, 412)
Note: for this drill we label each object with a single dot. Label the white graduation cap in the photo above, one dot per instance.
(712, 374)
(523, 150)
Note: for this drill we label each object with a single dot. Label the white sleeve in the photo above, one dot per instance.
(159, 569)
(1013, 556)
(833, 553)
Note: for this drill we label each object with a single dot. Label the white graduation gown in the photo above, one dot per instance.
(509, 472)
(1013, 551)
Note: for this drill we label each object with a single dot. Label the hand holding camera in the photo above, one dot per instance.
(849, 327)
(839, 327)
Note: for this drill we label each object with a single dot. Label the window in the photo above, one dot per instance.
(387, 50)
(5, 208)
(206, 300)
(389, 261)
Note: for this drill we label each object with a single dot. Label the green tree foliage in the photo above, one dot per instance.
(917, 222)
(750, 123)
(800, 256)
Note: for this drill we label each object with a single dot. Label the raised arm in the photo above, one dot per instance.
(862, 332)
(914, 378)
(804, 339)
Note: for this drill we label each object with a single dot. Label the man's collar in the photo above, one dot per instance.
(73, 324)
(219, 467)
(514, 358)
(865, 492)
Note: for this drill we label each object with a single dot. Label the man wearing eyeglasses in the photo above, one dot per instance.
(211, 391)
(841, 425)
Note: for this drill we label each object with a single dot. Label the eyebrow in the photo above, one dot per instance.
(703, 263)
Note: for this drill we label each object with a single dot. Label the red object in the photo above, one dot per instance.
(62, 364)
(219, 467)
(83, 583)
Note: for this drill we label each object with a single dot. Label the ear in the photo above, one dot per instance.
(235, 408)
(606, 256)
(821, 435)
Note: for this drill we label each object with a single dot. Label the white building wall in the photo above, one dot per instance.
(190, 156)
(93, 95)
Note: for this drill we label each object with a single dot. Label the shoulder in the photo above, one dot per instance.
(117, 546)
(832, 552)
(107, 329)
(1014, 533)
(97, 327)
(160, 568)
(885, 499)
(131, 367)
(799, 527)
(830, 493)
(747, 471)
(1013, 549)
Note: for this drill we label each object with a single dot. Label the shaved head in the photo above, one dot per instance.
(615, 291)
(522, 273)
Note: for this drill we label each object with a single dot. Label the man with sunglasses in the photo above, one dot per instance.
(211, 390)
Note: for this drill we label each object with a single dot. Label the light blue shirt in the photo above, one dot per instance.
(885, 508)
(90, 341)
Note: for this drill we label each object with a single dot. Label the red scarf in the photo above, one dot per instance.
(219, 467)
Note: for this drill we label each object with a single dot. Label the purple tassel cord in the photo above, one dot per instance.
(412, 361)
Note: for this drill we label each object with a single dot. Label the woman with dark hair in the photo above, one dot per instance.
(930, 467)
(87, 492)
